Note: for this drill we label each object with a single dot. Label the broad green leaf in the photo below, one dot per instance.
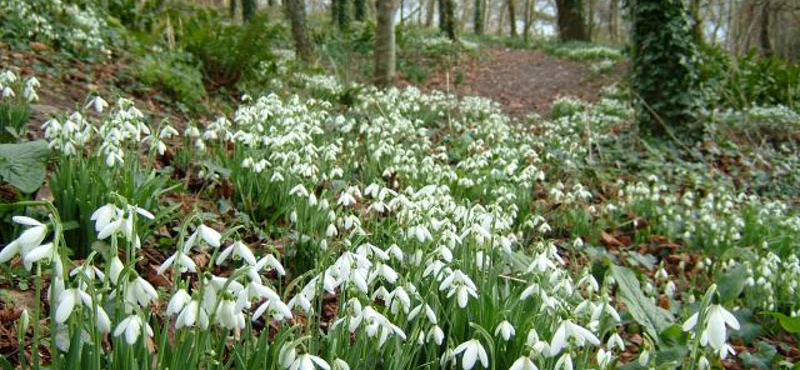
(790, 324)
(654, 319)
(24, 165)
(762, 359)
(731, 283)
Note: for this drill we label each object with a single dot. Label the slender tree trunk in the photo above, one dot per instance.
(763, 35)
(360, 10)
(502, 19)
(232, 8)
(571, 23)
(697, 25)
(590, 19)
(512, 17)
(385, 58)
(297, 18)
(526, 27)
(477, 20)
(248, 9)
(430, 10)
(613, 21)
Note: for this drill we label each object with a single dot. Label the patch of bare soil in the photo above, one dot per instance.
(524, 81)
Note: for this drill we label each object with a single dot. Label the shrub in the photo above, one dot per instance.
(176, 75)
(750, 80)
(227, 51)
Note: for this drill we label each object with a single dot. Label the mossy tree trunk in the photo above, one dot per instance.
(571, 21)
(477, 20)
(447, 19)
(296, 10)
(665, 82)
(360, 10)
(385, 58)
(512, 17)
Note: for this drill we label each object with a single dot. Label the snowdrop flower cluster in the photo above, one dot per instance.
(82, 28)
(14, 88)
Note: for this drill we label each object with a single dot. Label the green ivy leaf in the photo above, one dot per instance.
(24, 165)
(654, 319)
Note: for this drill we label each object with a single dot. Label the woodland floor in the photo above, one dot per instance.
(524, 81)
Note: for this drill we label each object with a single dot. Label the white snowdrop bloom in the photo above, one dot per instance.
(644, 358)
(339, 364)
(717, 320)
(564, 362)
(209, 235)
(300, 300)
(67, 300)
(568, 330)
(460, 285)
(308, 361)
(98, 104)
(102, 321)
(239, 250)
(606, 308)
(269, 262)
(532, 337)
(30, 239)
(436, 334)
(615, 341)
(472, 351)
(228, 317)
(505, 330)
(132, 328)
(140, 292)
(703, 363)
(523, 363)
(395, 252)
(276, 308)
(429, 313)
(604, 358)
(115, 269)
(42, 252)
(180, 260)
(178, 301)
(193, 312)
(346, 199)
(399, 299)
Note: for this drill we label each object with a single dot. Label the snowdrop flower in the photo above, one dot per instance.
(339, 364)
(192, 313)
(604, 358)
(269, 261)
(277, 309)
(568, 330)
(703, 363)
(616, 341)
(42, 252)
(523, 363)
(27, 241)
(239, 250)
(141, 292)
(644, 358)
(211, 236)
(102, 320)
(564, 363)
(459, 284)
(177, 302)
(180, 260)
(436, 334)
(308, 361)
(97, 103)
(132, 328)
(67, 301)
(505, 330)
(472, 350)
(228, 317)
(717, 320)
(428, 312)
(115, 269)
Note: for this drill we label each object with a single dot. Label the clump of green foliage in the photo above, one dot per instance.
(177, 75)
(750, 80)
(584, 51)
(227, 52)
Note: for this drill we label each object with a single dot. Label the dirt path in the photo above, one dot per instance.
(525, 81)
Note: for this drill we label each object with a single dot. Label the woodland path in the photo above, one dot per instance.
(525, 81)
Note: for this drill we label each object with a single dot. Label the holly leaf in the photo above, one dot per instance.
(24, 165)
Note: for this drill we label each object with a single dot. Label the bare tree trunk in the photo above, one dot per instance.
(385, 58)
(512, 17)
(502, 19)
(526, 25)
(297, 18)
(763, 35)
(571, 24)
(613, 21)
(429, 13)
(590, 19)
